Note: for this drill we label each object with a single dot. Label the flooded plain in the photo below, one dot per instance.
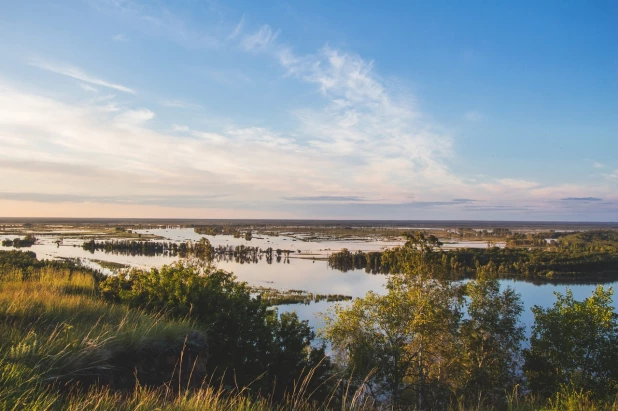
(306, 268)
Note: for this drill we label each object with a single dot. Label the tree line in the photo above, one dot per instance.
(587, 255)
(200, 249)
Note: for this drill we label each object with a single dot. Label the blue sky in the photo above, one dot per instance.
(360, 110)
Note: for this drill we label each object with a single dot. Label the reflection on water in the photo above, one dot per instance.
(301, 273)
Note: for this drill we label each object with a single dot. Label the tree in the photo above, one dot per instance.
(574, 343)
(491, 337)
(204, 250)
(416, 256)
(414, 342)
(404, 338)
(292, 358)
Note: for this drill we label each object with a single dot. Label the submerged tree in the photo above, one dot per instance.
(27, 241)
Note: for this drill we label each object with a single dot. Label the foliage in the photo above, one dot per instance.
(200, 249)
(400, 338)
(27, 241)
(574, 343)
(490, 338)
(24, 264)
(62, 348)
(245, 336)
(416, 342)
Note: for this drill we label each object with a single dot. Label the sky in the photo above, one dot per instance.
(333, 109)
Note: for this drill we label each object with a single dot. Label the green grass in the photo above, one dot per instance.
(56, 332)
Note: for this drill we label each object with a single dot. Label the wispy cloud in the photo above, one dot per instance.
(179, 104)
(497, 208)
(596, 164)
(581, 199)
(161, 21)
(260, 39)
(79, 74)
(238, 29)
(88, 88)
(612, 176)
(325, 198)
(159, 200)
(135, 117)
(517, 184)
(178, 127)
(376, 133)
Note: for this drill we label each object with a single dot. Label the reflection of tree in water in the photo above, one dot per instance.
(241, 254)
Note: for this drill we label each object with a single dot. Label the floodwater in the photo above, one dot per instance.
(300, 272)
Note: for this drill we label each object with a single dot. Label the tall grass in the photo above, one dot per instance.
(56, 335)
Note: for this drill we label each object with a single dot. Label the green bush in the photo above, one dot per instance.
(247, 340)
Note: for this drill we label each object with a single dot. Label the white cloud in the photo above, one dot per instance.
(135, 117)
(179, 104)
(88, 88)
(260, 39)
(517, 184)
(596, 164)
(237, 30)
(612, 176)
(161, 21)
(78, 74)
(179, 127)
